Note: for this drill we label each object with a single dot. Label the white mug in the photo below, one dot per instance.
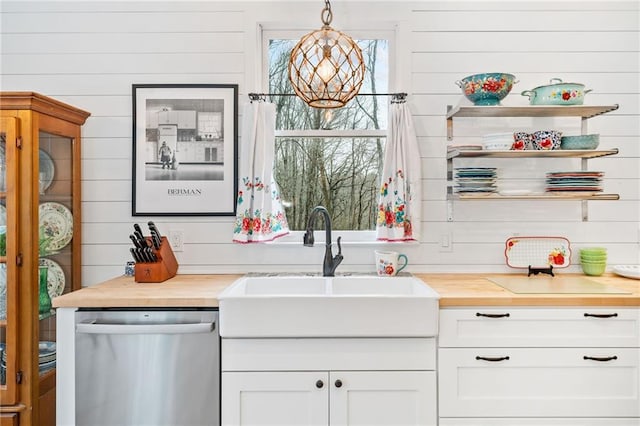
(387, 263)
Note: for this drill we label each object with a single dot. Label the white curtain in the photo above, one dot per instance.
(400, 185)
(260, 216)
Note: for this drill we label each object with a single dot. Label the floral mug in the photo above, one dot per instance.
(387, 263)
(522, 141)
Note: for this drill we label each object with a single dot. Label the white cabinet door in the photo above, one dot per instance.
(168, 117)
(152, 120)
(186, 119)
(275, 398)
(389, 398)
(539, 382)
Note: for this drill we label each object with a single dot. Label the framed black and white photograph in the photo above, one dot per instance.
(185, 145)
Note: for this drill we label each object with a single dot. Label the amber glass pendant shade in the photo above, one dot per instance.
(326, 68)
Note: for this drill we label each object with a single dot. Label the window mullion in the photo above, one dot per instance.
(368, 133)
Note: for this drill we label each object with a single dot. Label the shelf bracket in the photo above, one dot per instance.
(449, 210)
(449, 124)
(583, 166)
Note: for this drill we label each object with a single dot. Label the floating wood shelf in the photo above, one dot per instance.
(583, 111)
(452, 152)
(556, 196)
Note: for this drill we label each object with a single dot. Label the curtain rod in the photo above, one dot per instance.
(397, 97)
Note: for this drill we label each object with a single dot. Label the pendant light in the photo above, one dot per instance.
(326, 68)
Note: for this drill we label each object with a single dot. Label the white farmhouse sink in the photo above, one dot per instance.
(314, 306)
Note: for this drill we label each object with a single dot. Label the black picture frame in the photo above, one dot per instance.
(198, 174)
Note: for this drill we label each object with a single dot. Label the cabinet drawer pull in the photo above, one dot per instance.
(338, 383)
(600, 315)
(492, 359)
(319, 384)
(507, 315)
(599, 358)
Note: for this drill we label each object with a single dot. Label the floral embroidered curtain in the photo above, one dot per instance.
(400, 188)
(260, 216)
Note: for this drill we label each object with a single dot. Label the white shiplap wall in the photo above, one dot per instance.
(89, 54)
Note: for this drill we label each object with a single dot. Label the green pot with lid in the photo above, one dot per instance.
(557, 93)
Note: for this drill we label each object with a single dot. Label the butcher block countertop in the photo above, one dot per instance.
(123, 291)
(454, 289)
(479, 290)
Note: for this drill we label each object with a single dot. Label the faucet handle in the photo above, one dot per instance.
(337, 259)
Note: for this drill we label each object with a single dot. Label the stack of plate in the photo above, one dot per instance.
(583, 182)
(3, 373)
(475, 180)
(46, 359)
(47, 356)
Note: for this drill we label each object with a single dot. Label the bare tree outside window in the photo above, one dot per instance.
(330, 157)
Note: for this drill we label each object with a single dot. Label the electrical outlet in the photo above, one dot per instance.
(446, 242)
(176, 239)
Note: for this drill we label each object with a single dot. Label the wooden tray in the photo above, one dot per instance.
(537, 252)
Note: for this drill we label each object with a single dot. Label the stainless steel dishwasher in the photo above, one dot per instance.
(147, 367)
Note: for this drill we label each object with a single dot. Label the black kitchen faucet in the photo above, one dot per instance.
(330, 262)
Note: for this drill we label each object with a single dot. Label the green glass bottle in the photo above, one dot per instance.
(44, 301)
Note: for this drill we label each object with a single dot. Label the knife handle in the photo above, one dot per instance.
(135, 241)
(142, 241)
(151, 255)
(143, 255)
(153, 227)
(137, 228)
(134, 255)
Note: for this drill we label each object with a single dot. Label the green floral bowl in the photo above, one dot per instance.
(488, 88)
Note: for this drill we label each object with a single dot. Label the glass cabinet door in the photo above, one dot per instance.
(8, 278)
(56, 233)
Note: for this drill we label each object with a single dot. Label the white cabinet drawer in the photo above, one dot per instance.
(528, 382)
(539, 422)
(550, 327)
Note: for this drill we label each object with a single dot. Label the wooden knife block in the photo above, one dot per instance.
(166, 267)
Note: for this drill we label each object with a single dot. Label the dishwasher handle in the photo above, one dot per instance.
(91, 327)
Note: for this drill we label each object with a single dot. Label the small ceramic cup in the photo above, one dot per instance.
(388, 263)
(544, 140)
(521, 141)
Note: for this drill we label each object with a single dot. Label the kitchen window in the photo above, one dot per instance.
(330, 157)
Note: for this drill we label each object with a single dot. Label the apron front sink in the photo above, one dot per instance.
(342, 306)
